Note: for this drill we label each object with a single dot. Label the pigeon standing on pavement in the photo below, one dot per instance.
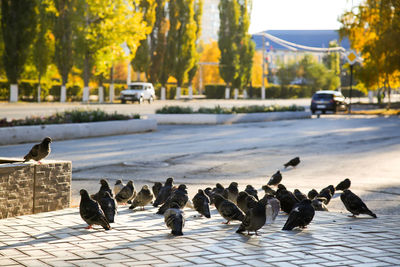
(227, 209)
(251, 191)
(245, 201)
(300, 216)
(201, 203)
(218, 189)
(126, 194)
(325, 193)
(174, 219)
(273, 206)
(286, 198)
(293, 162)
(142, 198)
(343, 185)
(105, 187)
(354, 204)
(91, 211)
(108, 205)
(156, 188)
(276, 178)
(232, 192)
(318, 204)
(39, 151)
(254, 219)
(268, 190)
(164, 192)
(118, 186)
(312, 194)
(177, 198)
(299, 195)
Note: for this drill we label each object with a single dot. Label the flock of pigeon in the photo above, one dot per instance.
(245, 206)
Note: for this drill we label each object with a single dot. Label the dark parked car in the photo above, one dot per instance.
(328, 101)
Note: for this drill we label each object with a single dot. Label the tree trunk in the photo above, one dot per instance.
(190, 91)
(39, 90)
(111, 89)
(63, 94)
(163, 93)
(227, 93)
(178, 93)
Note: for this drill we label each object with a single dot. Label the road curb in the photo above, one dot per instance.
(228, 118)
(26, 134)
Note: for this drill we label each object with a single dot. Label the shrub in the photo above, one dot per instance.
(72, 116)
(174, 110)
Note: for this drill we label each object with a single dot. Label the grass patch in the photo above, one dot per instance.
(380, 112)
(71, 116)
(221, 110)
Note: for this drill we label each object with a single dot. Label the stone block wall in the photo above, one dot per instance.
(27, 188)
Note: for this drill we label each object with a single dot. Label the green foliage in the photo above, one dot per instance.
(223, 110)
(141, 62)
(18, 23)
(72, 116)
(229, 63)
(63, 34)
(181, 38)
(159, 71)
(215, 91)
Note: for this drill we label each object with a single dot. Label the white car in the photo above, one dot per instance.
(138, 91)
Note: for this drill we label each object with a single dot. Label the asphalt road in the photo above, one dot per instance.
(21, 110)
(331, 148)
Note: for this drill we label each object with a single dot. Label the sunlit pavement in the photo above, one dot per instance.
(141, 239)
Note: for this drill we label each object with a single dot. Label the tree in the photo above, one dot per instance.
(181, 40)
(197, 18)
(142, 59)
(229, 13)
(63, 33)
(373, 29)
(246, 47)
(18, 24)
(43, 48)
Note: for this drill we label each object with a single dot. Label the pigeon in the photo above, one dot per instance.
(300, 216)
(232, 192)
(343, 185)
(164, 193)
(325, 193)
(178, 197)
(293, 162)
(318, 204)
(331, 189)
(108, 205)
(227, 209)
(299, 195)
(251, 191)
(201, 203)
(91, 211)
(174, 220)
(272, 208)
(312, 194)
(118, 186)
(143, 198)
(254, 219)
(126, 194)
(354, 204)
(39, 151)
(241, 201)
(156, 188)
(276, 178)
(286, 198)
(268, 190)
(105, 187)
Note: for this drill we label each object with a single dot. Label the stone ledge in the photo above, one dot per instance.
(26, 134)
(228, 118)
(27, 188)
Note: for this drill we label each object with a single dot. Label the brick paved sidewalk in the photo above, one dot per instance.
(142, 239)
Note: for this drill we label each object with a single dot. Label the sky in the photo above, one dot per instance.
(298, 14)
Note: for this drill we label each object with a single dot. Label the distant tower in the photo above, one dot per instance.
(210, 21)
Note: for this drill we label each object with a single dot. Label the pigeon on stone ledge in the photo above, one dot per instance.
(126, 194)
(174, 219)
(164, 193)
(39, 151)
(227, 209)
(108, 205)
(201, 203)
(300, 216)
